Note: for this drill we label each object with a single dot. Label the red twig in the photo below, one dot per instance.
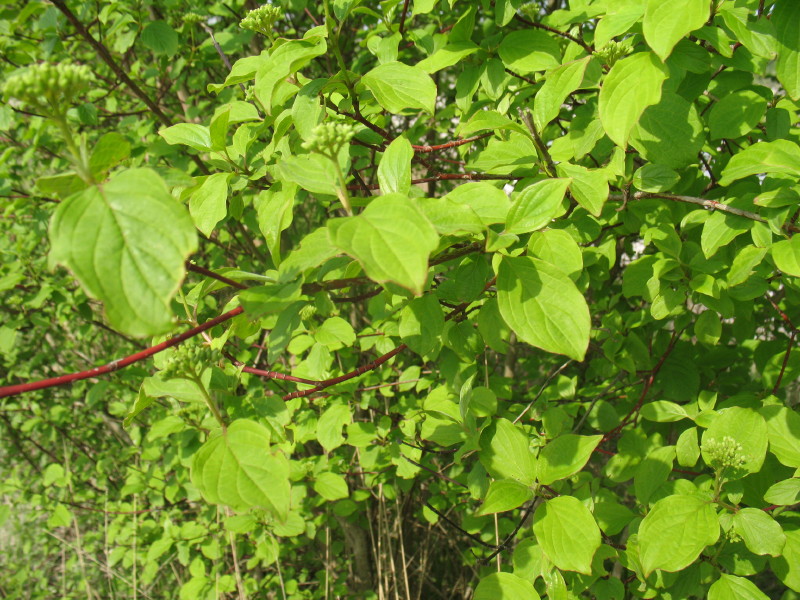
(452, 144)
(115, 365)
(563, 34)
(777, 385)
(447, 177)
(403, 17)
(208, 273)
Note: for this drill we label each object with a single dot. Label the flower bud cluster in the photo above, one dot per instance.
(262, 19)
(188, 360)
(724, 454)
(192, 18)
(613, 51)
(328, 138)
(48, 85)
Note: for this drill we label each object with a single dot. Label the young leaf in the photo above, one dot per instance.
(675, 532)
(506, 454)
(208, 205)
(189, 134)
(748, 428)
(633, 84)
(503, 495)
(422, 324)
(731, 587)
(537, 205)
(588, 187)
(133, 269)
(530, 50)
(397, 86)
(565, 456)
(558, 84)
(543, 306)
(666, 23)
(391, 239)
(237, 468)
(504, 585)
(780, 156)
(394, 170)
(761, 533)
(568, 533)
(785, 16)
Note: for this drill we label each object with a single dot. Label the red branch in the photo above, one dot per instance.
(452, 144)
(115, 365)
(447, 177)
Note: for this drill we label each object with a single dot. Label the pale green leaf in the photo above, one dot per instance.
(748, 428)
(783, 430)
(736, 114)
(787, 566)
(557, 247)
(669, 133)
(126, 242)
(780, 156)
(537, 205)
(312, 172)
(785, 17)
(633, 84)
(666, 23)
(530, 50)
(503, 495)
(330, 424)
(208, 205)
(565, 456)
(489, 202)
(331, 486)
(731, 587)
(567, 533)
(558, 84)
(283, 61)
(447, 56)
(397, 87)
(589, 187)
(237, 468)
(422, 324)
(188, 134)
(675, 531)
(506, 454)
(506, 586)
(394, 169)
(160, 38)
(543, 306)
(786, 255)
(391, 239)
(783, 493)
(761, 533)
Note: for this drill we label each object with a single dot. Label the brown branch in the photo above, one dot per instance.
(449, 177)
(563, 34)
(403, 17)
(452, 144)
(711, 204)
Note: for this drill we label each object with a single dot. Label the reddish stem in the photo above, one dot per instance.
(115, 365)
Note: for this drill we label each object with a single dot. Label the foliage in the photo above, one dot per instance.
(415, 299)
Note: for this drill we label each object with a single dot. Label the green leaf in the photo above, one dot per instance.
(655, 178)
(558, 84)
(557, 247)
(565, 456)
(397, 87)
(666, 23)
(529, 50)
(503, 495)
(588, 187)
(783, 493)
(188, 134)
(786, 255)
(506, 454)
(736, 114)
(422, 324)
(663, 411)
(780, 156)
(785, 16)
(238, 469)
(330, 424)
(447, 56)
(489, 203)
(506, 586)
(275, 213)
(783, 430)
(633, 84)
(731, 587)
(760, 532)
(719, 230)
(285, 60)
(394, 170)
(745, 426)
(110, 150)
(335, 333)
(652, 473)
(567, 533)
(669, 133)
(331, 486)
(787, 566)
(537, 205)
(543, 306)
(450, 217)
(270, 298)
(312, 172)
(675, 531)
(391, 239)
(209, 204)
(126, 242)
(160, 38)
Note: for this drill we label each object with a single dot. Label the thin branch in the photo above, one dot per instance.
(403, 17)
(452, 144)
(455, 525)
(449, 177)
(710, 204)
(563, 34)
(115, 365)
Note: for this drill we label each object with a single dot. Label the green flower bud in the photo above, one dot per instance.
(330, 137)
(49, 87)
(613, 51)
(724, 454)
(308, 312)
(192, 18)
(262, 19)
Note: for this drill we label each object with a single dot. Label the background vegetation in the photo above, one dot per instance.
(402, 299)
